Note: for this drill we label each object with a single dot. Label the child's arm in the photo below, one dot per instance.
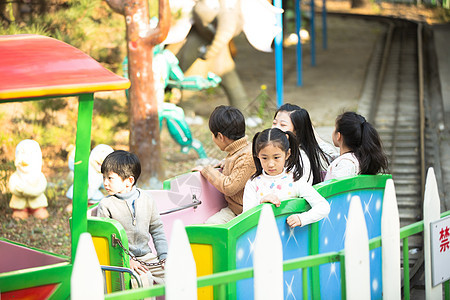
(233, 183)
(320, 207)
(102, 211)
(157, 232)
(250, 198)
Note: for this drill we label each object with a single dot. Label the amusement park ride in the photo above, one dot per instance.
(39, 274)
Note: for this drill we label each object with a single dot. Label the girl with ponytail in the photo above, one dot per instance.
(360, 148)
(278, 177)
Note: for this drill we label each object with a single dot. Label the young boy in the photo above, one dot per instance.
(137, 213)
(227, 125)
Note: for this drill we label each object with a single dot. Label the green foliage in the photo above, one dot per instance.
(89, 25)
(6, 169)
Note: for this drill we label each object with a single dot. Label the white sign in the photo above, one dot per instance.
(440, 250)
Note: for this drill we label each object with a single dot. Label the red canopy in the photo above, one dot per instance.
(39, 66)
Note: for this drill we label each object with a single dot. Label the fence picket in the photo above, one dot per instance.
(390, 241)
(268, 258)
(181, 274)
(86, 281)
(431, 212)
(357, 268)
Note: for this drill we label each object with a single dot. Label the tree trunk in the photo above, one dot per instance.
(143, 109)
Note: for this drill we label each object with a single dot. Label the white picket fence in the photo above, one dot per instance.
(181, 281)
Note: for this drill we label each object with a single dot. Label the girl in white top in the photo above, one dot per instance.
(277, 177)
(360, 148)
(315, 154)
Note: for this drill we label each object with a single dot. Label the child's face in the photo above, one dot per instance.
(335, 136)
(115, 185)
(272, 159)
(283, 122)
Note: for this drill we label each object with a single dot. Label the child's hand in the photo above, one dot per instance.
(294, 221)
(220, 164)
(138, 267)
(271, 198)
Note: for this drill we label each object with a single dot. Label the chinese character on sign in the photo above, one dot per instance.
(443, 238)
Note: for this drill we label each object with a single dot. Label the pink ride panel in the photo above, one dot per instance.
(180, 201)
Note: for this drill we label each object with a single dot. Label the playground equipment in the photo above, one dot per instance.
(218, 248)
(168, 74)
(29, 71)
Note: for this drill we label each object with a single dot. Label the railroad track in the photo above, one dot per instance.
(394, 104)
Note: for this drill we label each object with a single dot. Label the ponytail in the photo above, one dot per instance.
(293, 162)
(370, 154)
(363, 140)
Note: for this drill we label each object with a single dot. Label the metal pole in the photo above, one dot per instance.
(279, 56)
(324, 25)
(298, 23)
(313, 36)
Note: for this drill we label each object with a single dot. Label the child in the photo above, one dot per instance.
(227, 125)
(359, 146)
(137, 213)
(315, 154)
(278, 177)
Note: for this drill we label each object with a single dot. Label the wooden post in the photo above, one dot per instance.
(431, 212)
(356, 248)
(181, 273)
(390, 242)
(268, 258)
(86, 281)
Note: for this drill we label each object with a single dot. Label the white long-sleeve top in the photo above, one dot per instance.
(284, 187)
(345, 165)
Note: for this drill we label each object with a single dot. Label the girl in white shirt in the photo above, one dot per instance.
(315, 154)
(278, 178)
(360, 148)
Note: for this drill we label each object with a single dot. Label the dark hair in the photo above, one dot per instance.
(227, 120)
(363, 140)
(123, 163)
(306, 139)
(284, 141)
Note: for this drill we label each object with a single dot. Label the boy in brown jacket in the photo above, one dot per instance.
(227, 125)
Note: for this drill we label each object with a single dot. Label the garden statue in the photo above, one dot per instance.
(27, 184)
(215, 24)
(168, 74)
(95, 177)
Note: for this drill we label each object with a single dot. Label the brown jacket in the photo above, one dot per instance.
(237, 169)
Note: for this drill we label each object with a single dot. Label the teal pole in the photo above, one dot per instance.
(279, 56)
(298, 25)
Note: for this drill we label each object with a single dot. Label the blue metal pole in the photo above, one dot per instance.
(324, 25)
(279, 56)
(298, 25)
(313, 36)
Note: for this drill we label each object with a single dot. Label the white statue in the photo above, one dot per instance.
(27, 184)
(95, 177)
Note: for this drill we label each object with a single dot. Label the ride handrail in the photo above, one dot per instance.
(194, 204)
(121, 270)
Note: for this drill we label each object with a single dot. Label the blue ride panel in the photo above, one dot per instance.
(295, 244)
(332, 238)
